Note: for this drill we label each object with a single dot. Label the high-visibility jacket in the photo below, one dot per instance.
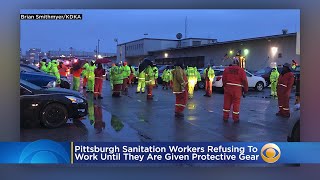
(170, 74)
(235, 76)
(150, 75)
(116, 75)
(209, 73)
(191, 72)
(125, 71)
(54, 70)
(156, 72)
(43, 66)
(198, 76)
(141, 76)
(84, 71)
(274, 76)
(90, 71)
(166, 75)
(49, 67)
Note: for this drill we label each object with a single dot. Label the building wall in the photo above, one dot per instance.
(259, 55)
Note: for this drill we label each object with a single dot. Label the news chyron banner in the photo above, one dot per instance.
(50, 152)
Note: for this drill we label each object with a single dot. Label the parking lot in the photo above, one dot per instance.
(133, 118)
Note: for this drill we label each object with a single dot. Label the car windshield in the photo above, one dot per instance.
(29, 85)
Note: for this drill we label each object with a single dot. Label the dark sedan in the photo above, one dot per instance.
(24, 68)
(50, 107)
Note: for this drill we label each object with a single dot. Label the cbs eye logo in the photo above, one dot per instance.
(44, 152)
(270, 153)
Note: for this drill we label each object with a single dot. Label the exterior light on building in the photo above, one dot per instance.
(166, 55)
(230, 52)
(274, 50)
(246, 52)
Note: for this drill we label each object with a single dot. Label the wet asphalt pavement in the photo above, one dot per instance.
(132, 119)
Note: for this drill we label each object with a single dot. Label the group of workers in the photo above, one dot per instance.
(181, 81)
(92, 77)
(52, 67)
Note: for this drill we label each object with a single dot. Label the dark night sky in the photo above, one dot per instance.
(127, 25)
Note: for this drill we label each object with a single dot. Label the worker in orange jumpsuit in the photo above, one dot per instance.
(180, 89)
(98, 82)
(63, 69)
(285, 83)
(235, 83)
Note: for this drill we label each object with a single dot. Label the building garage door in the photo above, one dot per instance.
(197, 61)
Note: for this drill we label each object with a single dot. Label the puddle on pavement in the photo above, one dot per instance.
(100, 121)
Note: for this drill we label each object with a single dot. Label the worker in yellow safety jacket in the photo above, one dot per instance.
(192, 80)
(209, 77)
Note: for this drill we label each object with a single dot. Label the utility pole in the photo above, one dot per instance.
(185, 27)
(96, 51)
(98, 46)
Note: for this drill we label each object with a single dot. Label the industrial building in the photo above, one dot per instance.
(135, 51)
(255, 53)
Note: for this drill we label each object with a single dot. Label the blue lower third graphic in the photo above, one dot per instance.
(50, 152)
(38, 152)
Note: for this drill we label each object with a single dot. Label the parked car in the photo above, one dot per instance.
(42, 80)
(29, 69)
(265, 73)
(256, 82)
(294, 125)
(50, 107)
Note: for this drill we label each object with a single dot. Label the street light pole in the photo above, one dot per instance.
(98, 45)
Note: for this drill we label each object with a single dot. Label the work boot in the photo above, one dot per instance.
(278, 114)
(225, 120)
(84, 87)
(100, 97)
(137, 92)
(143, 92)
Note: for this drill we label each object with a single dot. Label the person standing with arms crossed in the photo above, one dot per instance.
(98, 82)
(234, 82)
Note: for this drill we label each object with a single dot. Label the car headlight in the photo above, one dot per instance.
(75, 99)
(51, 84)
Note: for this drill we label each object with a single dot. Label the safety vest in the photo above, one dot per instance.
(191, 72)
(116, 75)
(156, 72)
(125, 71)
(274, 76)
(210, 73)
(150, 75)
(43, 66)
(84, 71)
(90, 71)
